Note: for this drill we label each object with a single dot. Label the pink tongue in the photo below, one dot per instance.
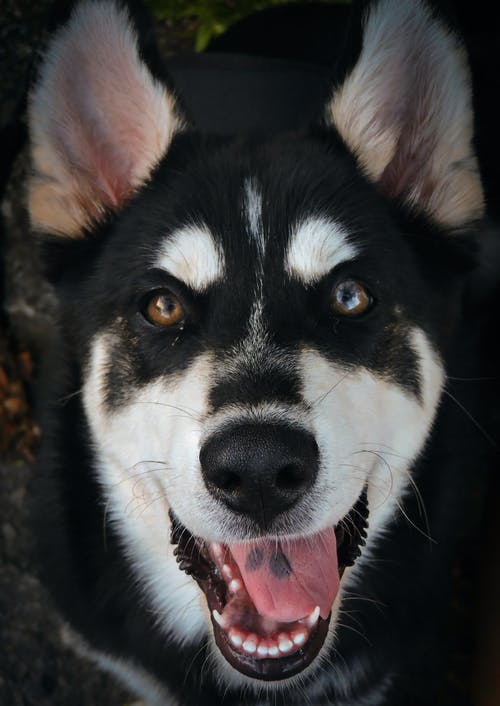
(287, 579)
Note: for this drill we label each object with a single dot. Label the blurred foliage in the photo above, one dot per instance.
(211, 17)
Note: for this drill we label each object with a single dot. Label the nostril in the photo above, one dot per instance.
(229, 481)
(290, 477)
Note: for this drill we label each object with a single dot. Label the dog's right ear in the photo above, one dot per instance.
(99, 121)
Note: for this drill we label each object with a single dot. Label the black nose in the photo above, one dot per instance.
(260, 470)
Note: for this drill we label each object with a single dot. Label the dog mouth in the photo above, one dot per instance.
(271, 599)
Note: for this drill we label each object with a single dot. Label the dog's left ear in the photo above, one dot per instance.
(99, 121)
(405, 111)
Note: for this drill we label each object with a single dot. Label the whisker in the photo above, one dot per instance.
(191, 664)
(189, 413)
(386, 464)
(67, 398)
(387, 450)
(478, 426)
(322, 397)
(355, 631)
(426, 534)
(348, 596)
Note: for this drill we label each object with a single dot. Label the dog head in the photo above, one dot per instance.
(260, 323)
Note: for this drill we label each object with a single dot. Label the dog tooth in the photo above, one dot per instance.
(236, 638)
(250, 644)
(284, 642)
(313, 618)
(219, 619)
(273, 651)
(299, 637)
(227, 571)
(262, 650)
(235, 585)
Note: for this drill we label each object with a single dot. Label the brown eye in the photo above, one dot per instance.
(164, 309)
(350, 298)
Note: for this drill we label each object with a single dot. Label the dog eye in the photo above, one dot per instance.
(163, 309)
(350, 298)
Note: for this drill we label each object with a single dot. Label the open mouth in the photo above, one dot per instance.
(271, 599)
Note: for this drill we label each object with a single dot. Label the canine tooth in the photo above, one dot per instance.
(273, 651)
(299, 638)
(250, 644)
(313, 618)
(235, 585)
(284, 643)
(262, 650)
(227, 571)
(219, 619)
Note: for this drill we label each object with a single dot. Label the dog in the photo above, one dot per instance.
(243, 392)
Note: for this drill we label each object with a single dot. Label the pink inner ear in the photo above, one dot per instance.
(93, 138)
(405, 111)
(98, 118)
(417, 138)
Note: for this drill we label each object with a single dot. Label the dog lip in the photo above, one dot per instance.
(351, 532)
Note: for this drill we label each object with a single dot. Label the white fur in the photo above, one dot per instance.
(317, 245)
(257, 338)
(192, 256)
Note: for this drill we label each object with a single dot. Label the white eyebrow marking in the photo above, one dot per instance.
(256, 339)
(253, 210)
(192, 256)
(317, 245)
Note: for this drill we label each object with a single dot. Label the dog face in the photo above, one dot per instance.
(260, 324)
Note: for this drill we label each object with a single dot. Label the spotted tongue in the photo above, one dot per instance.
(287, 579)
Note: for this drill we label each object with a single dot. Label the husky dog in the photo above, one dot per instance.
(251, 351)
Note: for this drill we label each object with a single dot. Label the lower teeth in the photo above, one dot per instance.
(250, 643)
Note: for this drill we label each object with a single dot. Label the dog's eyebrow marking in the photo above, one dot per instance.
(317, 245)
(192, 256)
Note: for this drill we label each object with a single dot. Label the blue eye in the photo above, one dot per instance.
(350, 298)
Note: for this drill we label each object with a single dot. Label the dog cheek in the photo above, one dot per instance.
(369, 429)
(144, 470)
(157, 425)
(410, 421)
